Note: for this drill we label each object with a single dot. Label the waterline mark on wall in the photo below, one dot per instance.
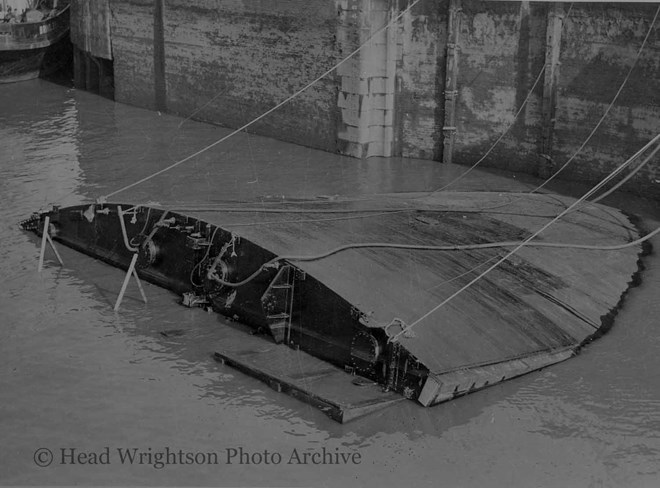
(168, 456)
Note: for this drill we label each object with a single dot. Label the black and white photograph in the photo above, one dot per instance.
(330, 243)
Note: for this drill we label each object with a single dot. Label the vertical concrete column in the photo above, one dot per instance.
(552, 52)
(366, 95)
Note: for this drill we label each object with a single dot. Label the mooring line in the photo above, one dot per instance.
(609, 107)
(506, 131)
(589, 137)
(492, 147)
(268, 112)
(584, 197)
(273, 263)
(632, 173)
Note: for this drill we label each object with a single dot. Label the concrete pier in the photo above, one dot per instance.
(92, 50)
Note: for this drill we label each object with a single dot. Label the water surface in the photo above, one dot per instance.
(74, 374)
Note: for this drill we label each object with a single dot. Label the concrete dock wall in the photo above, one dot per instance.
(504, 46)
(90, 27)
(92, 46)
(443, 84)
(231, 61)
(599, 46)
(421, 71)
(501, 52)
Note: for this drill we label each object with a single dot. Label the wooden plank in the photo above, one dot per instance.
(306, 378)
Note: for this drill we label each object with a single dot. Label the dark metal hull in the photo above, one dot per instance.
(36, 49)
(283, 301)
(349, 308)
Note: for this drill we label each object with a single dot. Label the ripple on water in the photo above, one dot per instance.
(74, 372)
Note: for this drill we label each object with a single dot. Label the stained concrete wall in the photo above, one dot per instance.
(228, 61)
(422, 37)
(501, 52)
(366, 94)
(503, 48)
(392, 92)
(599, 46)
(92, 46)
(132, 33)
(90, 27)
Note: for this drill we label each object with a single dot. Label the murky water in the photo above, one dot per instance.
(73, 374)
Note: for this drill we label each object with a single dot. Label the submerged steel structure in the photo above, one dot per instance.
(342, 280)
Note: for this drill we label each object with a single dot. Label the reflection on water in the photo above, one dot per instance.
(75, 374)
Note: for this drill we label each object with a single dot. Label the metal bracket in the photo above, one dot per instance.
(45, 237)
(197, 242)
(277, 303)
(122, 224)
(191, 300)
(300, 275)
(131, 272)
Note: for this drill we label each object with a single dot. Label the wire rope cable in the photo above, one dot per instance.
(609, 107)
(506, 131)
(517, 245)
(525, 242)
(269, 111)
